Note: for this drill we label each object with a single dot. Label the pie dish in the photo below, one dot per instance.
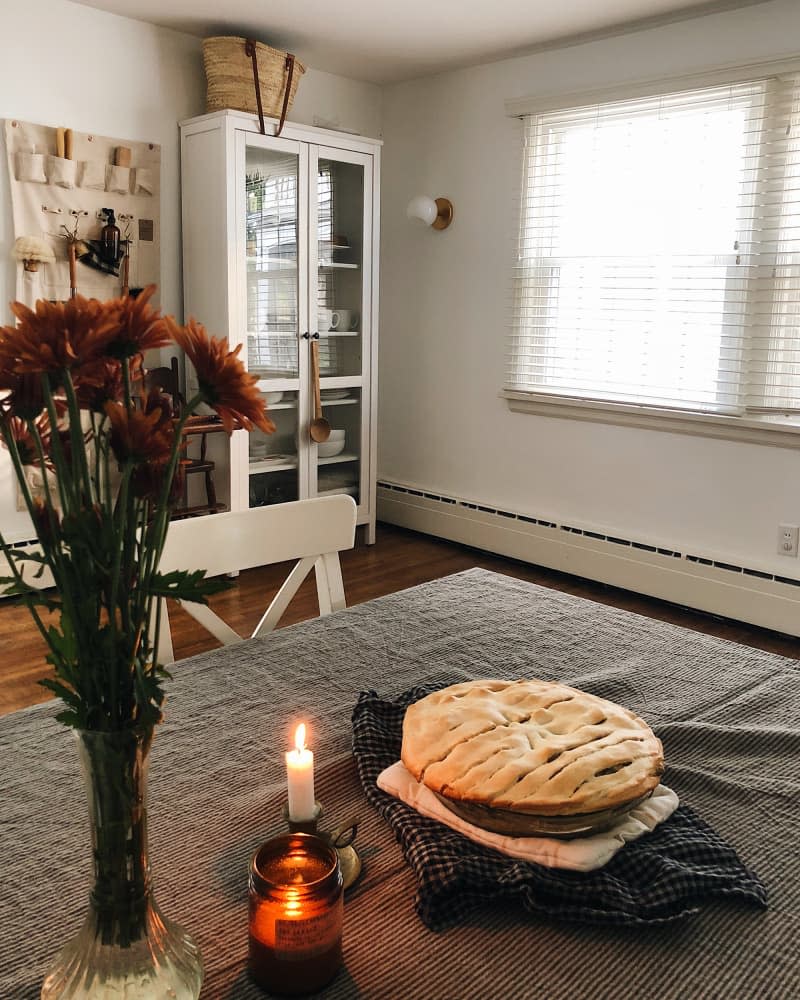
(531, 748)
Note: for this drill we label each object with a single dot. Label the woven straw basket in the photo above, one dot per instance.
(229, 76)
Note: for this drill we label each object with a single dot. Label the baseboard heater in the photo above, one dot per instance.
(687, 578)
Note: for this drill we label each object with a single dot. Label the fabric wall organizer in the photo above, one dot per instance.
(50, 193)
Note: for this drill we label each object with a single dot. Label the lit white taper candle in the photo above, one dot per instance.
(300, 775)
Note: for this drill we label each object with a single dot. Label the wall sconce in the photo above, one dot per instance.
(437, 213)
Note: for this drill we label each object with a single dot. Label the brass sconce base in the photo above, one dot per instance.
(444, 213)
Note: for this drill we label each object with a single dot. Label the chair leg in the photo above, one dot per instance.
(211, 492)
(165, 653)
(323, 586)
(335, 584)
(281, 600)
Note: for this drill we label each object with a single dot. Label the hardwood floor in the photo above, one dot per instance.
(398, 560)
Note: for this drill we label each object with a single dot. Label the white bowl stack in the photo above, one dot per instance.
(333, 446)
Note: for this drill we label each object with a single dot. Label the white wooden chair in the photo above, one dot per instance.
(312, 531)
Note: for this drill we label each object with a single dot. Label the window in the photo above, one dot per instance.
(658, 256)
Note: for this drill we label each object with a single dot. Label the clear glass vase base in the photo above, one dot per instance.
(165, 964)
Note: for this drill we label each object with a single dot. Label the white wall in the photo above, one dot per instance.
(65, 64)
(444, 313)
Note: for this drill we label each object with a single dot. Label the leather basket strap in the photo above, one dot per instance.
(287, 92)
(250, 50)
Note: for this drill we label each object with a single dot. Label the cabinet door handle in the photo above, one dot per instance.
(315, 336)
(306, 335)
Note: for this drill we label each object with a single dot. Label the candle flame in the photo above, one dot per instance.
(300, 737)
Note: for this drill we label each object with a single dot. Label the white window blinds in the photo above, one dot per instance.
(659, 251)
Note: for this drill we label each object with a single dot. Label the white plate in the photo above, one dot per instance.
(334, 393)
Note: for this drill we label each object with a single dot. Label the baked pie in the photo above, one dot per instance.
(531, 747)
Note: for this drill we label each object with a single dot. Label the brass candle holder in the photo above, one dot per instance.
(340, 839)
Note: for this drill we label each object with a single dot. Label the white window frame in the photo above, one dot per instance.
(774, 429)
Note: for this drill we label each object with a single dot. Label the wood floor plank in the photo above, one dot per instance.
(398, 560)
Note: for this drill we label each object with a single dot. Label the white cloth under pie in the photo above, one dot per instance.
(583, 854)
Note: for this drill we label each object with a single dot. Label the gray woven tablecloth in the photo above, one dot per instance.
(727, 715)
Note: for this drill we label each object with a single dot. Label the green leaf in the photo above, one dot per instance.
(30, 595)
(66, 694)
(70, 718)
(187, 585)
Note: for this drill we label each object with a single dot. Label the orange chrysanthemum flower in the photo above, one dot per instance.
(139, 437)
(221, 377)
(56, 336)
(140, 328)
(99, 383)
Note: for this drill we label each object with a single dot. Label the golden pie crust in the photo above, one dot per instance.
(530, 746)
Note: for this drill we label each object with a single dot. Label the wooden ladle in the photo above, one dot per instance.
(319, 428)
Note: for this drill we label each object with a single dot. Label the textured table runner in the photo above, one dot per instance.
(727, 715)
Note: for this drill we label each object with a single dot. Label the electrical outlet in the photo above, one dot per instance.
(787, 539)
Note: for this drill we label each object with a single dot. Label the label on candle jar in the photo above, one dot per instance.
(298, 940)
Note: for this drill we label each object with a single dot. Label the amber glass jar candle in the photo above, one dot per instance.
(295, 914)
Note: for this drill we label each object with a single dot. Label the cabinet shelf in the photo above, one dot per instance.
(276, 266)
(256, 468)
(351, 491)
(346, 456)
(279, 268)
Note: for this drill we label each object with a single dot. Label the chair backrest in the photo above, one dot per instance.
(313, 532)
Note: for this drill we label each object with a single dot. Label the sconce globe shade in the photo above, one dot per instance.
(423, 208)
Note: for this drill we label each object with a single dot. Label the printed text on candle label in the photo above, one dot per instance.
(297, 940)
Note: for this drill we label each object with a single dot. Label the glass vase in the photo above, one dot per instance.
(125, 947)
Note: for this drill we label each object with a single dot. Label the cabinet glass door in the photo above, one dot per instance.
(343, 256)
(340, 265)
(271, 253)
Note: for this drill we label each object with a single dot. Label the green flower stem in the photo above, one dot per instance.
(120, 508)
(77, 436)
(64, 478)
(160, 523)
(51, 553)
(51, 514)
(115, 768)
(20, 582)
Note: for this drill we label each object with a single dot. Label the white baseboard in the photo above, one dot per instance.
(696, 581)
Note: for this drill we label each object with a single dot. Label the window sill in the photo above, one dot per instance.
(778, 431)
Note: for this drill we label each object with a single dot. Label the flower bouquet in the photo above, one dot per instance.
(107, 456)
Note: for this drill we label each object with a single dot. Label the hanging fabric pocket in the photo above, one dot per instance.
(30, 168)
(93, 175)
(118, 180)
(62, 172)
(143, 181)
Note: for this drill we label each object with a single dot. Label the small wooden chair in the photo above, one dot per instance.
(197, 427)
(313, 532)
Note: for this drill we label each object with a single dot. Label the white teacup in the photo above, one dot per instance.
(343, 319)
(324, 320)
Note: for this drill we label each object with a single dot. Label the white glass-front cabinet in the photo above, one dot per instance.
(280, 240)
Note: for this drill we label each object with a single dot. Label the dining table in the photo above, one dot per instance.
(728, 717)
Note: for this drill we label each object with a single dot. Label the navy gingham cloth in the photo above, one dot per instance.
(663, 876)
